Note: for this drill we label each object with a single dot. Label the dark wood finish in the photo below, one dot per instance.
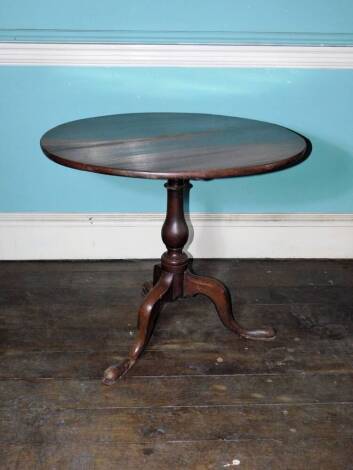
(173, 279)
(146, 319)
(201, 397)
(220, 296)
(261, 454)
(174, 145)
(178, 147)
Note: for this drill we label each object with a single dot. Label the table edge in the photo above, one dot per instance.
(208, 174)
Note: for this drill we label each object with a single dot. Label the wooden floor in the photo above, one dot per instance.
(200, 398)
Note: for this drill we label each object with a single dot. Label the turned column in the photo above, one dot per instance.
(175, 234)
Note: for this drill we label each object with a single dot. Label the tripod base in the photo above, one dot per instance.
(173, 279)
(165, 286)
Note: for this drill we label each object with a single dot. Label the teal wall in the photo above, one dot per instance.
(309, 21)
(317, 103)
(314, 102)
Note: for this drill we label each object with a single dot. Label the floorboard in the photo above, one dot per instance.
(200, 397)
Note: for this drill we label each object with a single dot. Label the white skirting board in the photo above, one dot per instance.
(44, 236)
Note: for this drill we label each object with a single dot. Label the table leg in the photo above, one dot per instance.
(220, 296)
(147, 315)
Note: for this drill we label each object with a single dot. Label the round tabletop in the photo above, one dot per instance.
(174, 145)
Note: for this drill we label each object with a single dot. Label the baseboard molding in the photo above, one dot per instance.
(37, 236)
(176, 55)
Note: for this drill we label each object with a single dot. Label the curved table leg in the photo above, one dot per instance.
(146, 317)
(219, 294)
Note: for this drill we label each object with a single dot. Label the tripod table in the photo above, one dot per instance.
(177, 147)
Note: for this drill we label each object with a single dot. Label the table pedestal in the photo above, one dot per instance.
(172, 279)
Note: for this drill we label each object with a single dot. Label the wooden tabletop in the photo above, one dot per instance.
(174, 145)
